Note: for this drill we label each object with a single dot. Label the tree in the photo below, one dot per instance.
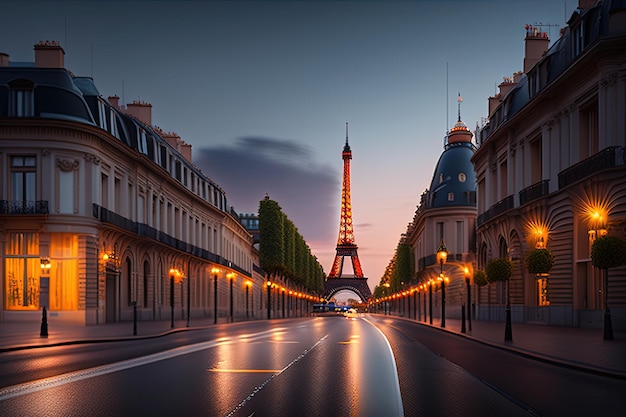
(480, 278)
(608, 252)
(499, 269)
(540, 261)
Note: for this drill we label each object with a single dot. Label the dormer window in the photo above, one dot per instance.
(21, 99)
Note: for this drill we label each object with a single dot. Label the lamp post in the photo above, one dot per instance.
(442, 254)
(430, 299)
(188, 293)
(269, 299)
(469, 298)
(248, 284)
(172, 297)
(231, 278)
(215, 271)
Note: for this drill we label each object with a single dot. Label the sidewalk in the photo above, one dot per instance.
(566, 346)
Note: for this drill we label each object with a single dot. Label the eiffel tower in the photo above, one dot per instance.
(335, 282)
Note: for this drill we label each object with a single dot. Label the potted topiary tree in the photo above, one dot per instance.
(608, 252)
(480, 278)
(501, 269)
(540, 261)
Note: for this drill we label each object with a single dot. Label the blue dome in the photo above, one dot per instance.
(454, 179)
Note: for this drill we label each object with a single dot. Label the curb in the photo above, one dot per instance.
(578, 366)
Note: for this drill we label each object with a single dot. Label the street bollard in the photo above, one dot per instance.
(44, 324)
(134, 318)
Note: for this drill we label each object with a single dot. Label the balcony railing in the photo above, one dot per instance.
(607, 158)
(143, 230)
(23, 207)
(495, 210)
(534, 192)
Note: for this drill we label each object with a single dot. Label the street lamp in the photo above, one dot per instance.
(269, 299)
(442, 254)
(430, 299)
(231, 278)
(469, 297)
(248, 285)
(215, 271)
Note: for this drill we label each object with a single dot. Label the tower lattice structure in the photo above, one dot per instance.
(345, 242)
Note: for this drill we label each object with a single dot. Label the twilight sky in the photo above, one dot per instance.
(263, 89)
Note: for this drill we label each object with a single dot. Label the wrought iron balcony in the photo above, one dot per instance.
(607, 158)
(534, 192)
(495, 210)
(24, 207)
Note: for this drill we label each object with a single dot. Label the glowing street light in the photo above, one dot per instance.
(269, 299)
(442, 254)
(215, 271)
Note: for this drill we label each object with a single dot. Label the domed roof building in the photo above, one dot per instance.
(446, 214)
(454, 181)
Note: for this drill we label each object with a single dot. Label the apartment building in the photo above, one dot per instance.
(550, 171)
(102, 213)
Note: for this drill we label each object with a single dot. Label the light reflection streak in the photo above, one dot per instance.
(261, 386)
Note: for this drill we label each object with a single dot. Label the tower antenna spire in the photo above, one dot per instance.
(459, 99)
(346, 133)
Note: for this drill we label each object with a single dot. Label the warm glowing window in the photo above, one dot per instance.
(22, 271)
(64, 272)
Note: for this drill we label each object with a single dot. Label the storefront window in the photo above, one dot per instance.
(64, 272)
(22, 271)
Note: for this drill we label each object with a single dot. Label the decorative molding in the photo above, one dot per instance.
(65, 165)
(45, 152)
(92, 158)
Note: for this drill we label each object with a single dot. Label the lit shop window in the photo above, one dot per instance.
(64, 272)
(22, 271)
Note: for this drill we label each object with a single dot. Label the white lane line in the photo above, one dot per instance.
(260, 387)
(395, 389)
(67, 378)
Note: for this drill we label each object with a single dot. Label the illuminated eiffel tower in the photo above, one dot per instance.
(335, 282)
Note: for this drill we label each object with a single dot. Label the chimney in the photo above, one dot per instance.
(494, 102)
(140, 110)
(585, 4)
(4, 59)
(115, 101)
(536, 45)
(178, 144)
(506, 85)
(49, 54)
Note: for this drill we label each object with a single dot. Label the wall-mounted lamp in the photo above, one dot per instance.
(44, 262)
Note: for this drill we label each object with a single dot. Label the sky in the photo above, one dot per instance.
(263, 90)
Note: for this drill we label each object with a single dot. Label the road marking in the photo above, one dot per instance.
(70, 377)
(395, 386)
(260, 387)
(245, 371)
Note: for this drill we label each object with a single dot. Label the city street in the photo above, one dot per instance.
(306, 367)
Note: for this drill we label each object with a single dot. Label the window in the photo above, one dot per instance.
(22, 103)
(22, 271)
(64, 272)
(450, 196)
(23, 183)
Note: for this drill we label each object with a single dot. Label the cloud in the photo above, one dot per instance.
(252, 167)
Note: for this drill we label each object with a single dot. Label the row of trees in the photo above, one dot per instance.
(284, 252)
(401, 268)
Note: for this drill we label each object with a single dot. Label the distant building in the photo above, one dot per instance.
(446, 213)
(550, 171)
(99, 209)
